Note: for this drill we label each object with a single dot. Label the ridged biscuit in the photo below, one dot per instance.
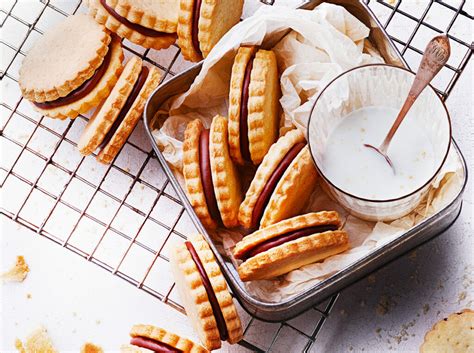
(63, 58)
(103, 118)
(160, 15)
(168, 338)
(216, 18)
(224, 173)
(108, 153)
(235, 95)
(286, 226)
(454, 334)
(102, 16)
(292, 191)
(192, 173)
(264, 94)
(97, 94)
(193, 294)
(270, 162)
(294, 254)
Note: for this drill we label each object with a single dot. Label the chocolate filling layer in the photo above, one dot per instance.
(206, 176)
(216, 309)
(272, 182)
(243, 123)
(283, 238)
(195, 26)
(83, 89)
(126, 107)
(155, 346)
(136, 27)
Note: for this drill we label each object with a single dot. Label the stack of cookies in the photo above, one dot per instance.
(278, 237)
(76, 66)
(196, 24)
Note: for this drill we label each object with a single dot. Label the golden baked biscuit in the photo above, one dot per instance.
(253, 104)
(454, 334)
(197, 36)
(282, 183)
(211, 178)
(71, 67)
(203, 291)
(148, 37)
(130, 120)
(289, 244)
(154, 338)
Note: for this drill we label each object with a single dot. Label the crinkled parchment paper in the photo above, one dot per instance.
(321, 44)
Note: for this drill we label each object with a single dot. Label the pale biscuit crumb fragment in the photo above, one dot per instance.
(91, 348)
(454, 334)
(108, 153)
(37, 342)
(18, 272)
(192, 173)
(224, 173)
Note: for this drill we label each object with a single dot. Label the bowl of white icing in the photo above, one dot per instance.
(358, 107)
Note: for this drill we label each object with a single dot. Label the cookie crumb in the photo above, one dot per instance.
(91, 348)
(462, 296)
(28, 296)
(37, 341)
(426, 308)
(18, 272)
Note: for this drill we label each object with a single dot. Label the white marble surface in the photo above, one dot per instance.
(389, 310)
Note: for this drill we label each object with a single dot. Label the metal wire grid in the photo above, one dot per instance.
(122, 216)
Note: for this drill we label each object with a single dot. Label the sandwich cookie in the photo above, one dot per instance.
(290, 244)
(253, 104)
(282, 184)
(204, 293)
(162, 341)
(149, 23)
(211, 178)
(71, 68)
(115, 119)
(454, 334)
(201, 23)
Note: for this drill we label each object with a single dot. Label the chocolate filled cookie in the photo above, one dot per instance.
(71, 68)
(149, 23)
(211, 178)
(253, 105)
(203, 291)
(115, 119)
(202, 23)
(282, 184)
(290, 244)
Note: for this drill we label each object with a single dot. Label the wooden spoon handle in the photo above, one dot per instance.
(436, 54)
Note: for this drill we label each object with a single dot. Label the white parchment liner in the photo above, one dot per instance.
(322, 44)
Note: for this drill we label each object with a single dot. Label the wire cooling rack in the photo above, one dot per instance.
(122, 216)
